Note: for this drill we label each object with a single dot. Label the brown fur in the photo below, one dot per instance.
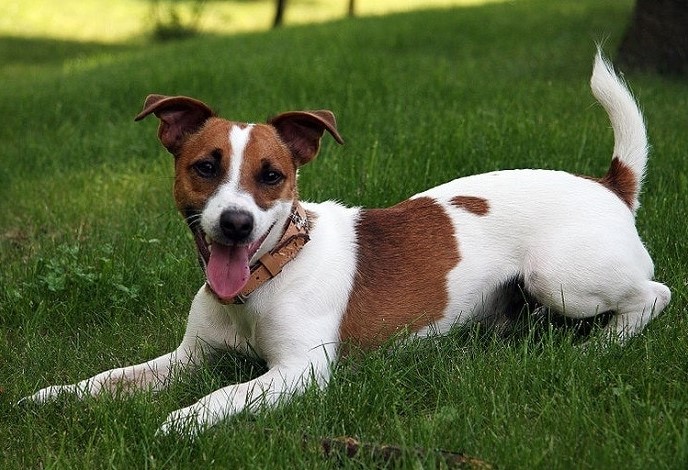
(265, 151)
(405, 254)
(190, 190)
(474, 205)
(621, 181)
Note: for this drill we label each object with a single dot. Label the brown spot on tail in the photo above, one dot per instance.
(405, 253)
(621, 180)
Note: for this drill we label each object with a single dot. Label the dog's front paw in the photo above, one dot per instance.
(51, 393)
(187, 422)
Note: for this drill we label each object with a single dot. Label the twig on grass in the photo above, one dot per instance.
(347, 446)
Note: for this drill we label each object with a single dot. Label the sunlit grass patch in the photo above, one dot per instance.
(124, 20)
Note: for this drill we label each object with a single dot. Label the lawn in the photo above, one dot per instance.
(97, 269)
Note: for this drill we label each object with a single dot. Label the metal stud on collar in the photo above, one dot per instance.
(300, 222)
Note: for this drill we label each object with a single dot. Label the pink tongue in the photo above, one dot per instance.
(228, 270)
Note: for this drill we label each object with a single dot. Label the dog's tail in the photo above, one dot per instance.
(625, 175)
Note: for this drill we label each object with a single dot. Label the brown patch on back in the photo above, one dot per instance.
(621, 180)
(405, 253)
(474, 205)
(265, 151)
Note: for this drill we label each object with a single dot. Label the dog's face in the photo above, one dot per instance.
(235, 183)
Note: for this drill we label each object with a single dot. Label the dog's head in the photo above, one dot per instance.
(235, 183)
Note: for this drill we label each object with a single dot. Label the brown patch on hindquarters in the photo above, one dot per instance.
(621, 180)
(474, 205)
(405, 253)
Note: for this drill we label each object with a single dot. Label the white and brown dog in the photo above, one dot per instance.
(296, 282)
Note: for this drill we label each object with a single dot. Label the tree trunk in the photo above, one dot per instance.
(279, 13)
(352, 7)
(657, 38)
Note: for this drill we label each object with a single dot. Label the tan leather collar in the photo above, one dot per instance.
(295, 236)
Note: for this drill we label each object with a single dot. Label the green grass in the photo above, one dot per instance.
(97, 269)
(129, 20)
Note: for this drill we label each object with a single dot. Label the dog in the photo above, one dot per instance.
(298, 284)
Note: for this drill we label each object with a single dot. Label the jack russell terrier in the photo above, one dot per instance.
(298, 283)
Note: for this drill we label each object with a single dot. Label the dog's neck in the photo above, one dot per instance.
(294, 237)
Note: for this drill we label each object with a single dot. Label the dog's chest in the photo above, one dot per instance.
(245, 323)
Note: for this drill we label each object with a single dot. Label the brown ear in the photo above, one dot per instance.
(179, 116)
(302, 131)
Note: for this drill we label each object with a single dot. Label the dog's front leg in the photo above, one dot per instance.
(203, 336)
(152, 375)
(278, 384)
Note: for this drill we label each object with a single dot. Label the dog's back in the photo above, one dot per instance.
(568, 241)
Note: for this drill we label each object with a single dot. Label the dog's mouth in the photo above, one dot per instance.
(226, 267)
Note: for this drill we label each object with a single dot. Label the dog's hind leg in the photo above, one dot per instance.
(636, 311)
(582, 293)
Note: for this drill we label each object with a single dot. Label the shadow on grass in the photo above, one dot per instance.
(36, 51)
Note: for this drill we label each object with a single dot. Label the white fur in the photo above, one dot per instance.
(238, 139)
(570, 241)
(552, 233)
(231, 196)
(630, 139)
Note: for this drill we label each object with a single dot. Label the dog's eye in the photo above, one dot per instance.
(270, 177)
(205, 169)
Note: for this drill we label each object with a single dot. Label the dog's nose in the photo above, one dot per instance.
(236, 225)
